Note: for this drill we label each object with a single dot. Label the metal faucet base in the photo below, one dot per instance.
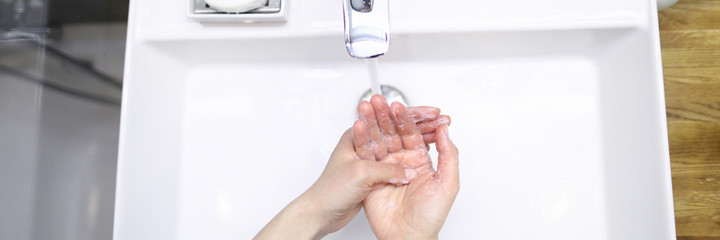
(390, 93)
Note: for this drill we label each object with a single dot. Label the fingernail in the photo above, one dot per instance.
(444, 121)
(398, 103)
(410, 174)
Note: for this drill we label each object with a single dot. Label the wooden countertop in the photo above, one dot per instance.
(690, 40)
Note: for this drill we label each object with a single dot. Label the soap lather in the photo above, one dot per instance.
(236, 6)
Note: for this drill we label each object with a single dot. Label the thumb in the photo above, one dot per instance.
(378, 172)
(447, 155)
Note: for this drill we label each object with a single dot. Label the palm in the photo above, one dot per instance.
(417, 209)
(393, 211)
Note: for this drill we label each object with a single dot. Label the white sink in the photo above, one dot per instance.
(558, 111)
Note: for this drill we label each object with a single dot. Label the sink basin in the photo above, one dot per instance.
(558, 111)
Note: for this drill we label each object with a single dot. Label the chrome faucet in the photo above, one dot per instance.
(367, 29)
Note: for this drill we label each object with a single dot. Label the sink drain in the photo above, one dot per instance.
(390, 93)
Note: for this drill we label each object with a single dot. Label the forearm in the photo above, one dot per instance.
(298, 220)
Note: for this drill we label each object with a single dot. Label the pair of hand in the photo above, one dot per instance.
(390, 135)
(382, 165)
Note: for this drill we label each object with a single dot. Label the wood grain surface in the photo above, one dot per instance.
(690, 40)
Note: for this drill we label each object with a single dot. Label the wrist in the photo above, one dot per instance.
(308, 218)
(298, 220)
(423, 236)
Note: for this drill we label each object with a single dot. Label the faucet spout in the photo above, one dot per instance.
(367, 28)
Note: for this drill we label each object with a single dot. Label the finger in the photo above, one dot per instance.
(409, 133)
(361, 141)
(345, 145)
(346, 141)
(410, 158)
(387, 126)
(429, 138)
(378, 172)
(430, 126)
(423, 113)
(447, 156)
(367, 115)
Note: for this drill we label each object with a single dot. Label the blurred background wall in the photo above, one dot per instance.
(61, 65)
